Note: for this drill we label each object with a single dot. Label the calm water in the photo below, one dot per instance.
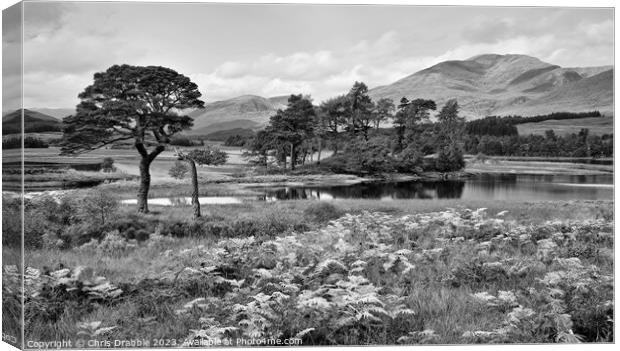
(186, 200)
(484, 187)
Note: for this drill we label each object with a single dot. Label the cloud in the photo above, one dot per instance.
(322, 74)
(63, 85)
(489, 30)
(63, 49)
(567, 38)
(44, 18)
(66, 44)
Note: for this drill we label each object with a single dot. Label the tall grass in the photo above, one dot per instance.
(380, 272)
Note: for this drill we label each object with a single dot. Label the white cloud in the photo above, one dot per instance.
(66, 45)
(322, 73)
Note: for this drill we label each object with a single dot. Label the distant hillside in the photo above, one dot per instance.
(590, 93)
(507, 85)
(59, 113)
(247, 111)
(222, 135)
(234, 124)
(595, 125)
(484, 85)
(34, 122)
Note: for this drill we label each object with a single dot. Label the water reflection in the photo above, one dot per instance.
(185, 200)
(484, 187)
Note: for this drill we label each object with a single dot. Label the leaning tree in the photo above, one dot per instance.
(140, 104)
(206, 156)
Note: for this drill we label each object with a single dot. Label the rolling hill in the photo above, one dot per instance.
(246, 111)
(59, 113)
(484, 85)
(222, 135)
(34, 122)
(507, 84)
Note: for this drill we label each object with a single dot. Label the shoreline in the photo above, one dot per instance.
(243, 184)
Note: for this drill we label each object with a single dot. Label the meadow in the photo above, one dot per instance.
(338, 273)
(343, 272)
(596, 126)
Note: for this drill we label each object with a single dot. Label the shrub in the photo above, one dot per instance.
(42, 216)
(179, 170)
(322, 212)
(372, 156)
(112, 244)
(11, 222)
(181, 141)
(108, 165)
(133, 226)
(181, 229)
(362, 157)
(449, 159)
(236, 140)
(410, 160)
(98, 206)
(29, 142)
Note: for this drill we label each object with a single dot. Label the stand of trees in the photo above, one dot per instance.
(185, 141)
(350, 126)
(236, 140)
(550, 145)
(29, 142)
(554, 115)
(506, 126)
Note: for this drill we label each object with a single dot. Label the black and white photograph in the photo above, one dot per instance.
(222, 174)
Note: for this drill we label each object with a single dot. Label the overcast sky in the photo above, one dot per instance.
(270, 50)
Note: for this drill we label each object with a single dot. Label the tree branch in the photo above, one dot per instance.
(82, 149)
(158, 150)
(141, 149)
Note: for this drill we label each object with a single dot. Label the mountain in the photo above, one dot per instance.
(34, 122)
(484, 85)
(246, 111)
(494, 84)
(59, 113)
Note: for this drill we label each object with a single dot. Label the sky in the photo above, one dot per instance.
(272, 50)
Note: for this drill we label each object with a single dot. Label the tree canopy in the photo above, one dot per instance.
(143, 104)
(289, 128)
(131, 102)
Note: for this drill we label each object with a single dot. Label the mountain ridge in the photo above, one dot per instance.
(33, 122)
(486, 84)
(253, 109)
(492, 84)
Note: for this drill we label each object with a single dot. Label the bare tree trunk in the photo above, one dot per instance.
(292, 157)
(145, 183)
(145, 174)
(318, 156)
(335, 144)
(195, 194)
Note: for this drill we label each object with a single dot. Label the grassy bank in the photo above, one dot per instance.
(596, 126)
(222, 180)
(497, 165)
